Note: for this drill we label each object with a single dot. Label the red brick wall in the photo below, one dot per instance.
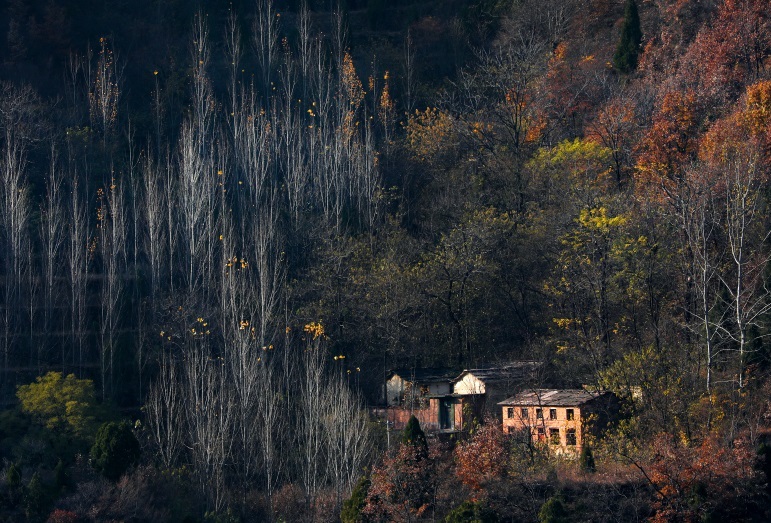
(398, 417)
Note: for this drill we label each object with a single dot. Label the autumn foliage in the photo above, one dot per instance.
(693, 481)
(483, 458)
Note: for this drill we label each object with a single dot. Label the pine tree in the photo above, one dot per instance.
(353, 506)
(413, 435)
(625, 58)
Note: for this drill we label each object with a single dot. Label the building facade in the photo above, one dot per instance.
(559, 418)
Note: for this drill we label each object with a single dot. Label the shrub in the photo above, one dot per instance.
(553, 511)
(468, 512)
(587, 460)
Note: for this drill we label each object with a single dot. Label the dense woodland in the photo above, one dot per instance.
(221, 223)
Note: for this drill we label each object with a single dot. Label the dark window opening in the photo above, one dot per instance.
(510, 412)
(552, 413)
(554, 436)
(539, 413)
(570, 437)
(569, 414)
(541, 434)
(523, 413)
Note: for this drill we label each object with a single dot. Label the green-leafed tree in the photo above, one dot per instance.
(628, 50)
(115, 449)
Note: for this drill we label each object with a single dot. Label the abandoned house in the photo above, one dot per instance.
(409, 391)
(477, 391)
(560, 418)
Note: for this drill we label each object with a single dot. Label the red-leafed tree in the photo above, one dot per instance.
(402, 486)
(613, 127)
(403, 483)
(483, 458)
(696, 482)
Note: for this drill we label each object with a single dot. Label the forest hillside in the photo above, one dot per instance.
(223, 223)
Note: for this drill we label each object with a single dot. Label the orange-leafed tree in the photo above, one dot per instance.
(669, 145)
(482, 459)
(708, 480)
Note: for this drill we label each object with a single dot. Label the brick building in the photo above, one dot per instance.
(561, 418)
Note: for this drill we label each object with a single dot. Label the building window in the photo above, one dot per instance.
(569, 414)
(510, 412)
(570, 437)
(552, 413)
(539, 413)
(554, 436)
(523, 413)
(541, 434)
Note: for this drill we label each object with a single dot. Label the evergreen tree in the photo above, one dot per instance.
(61, 477)
(35, 502)
(13, 477)
(115, 449)
(413, 435)
(625, 58)
(353, 506)
(13, 484)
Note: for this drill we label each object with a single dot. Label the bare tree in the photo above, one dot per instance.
(700, 223)
(105, 93)
(208, 411)
(52, 235)
(265, 41)
(347, 437)
(17, 121)
(310, 426)
(747, 235)
(155, 242)
(79, 253)
(410, 86)
(111, 227)
(164, 412)
(196, 165)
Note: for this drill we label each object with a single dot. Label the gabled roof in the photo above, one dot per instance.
(553, 398)
(425, 375)
(516, 370)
